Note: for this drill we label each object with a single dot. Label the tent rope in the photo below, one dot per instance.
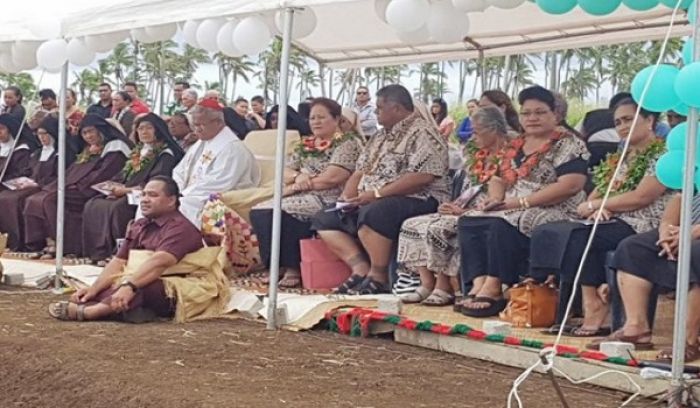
(548, 355)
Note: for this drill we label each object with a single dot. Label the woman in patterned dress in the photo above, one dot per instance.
(314, 178)
(428, 244)
(636, 204)
(542, 173)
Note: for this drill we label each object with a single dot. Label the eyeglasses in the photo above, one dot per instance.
(537, 113)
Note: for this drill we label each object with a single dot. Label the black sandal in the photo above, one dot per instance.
(495, 306)
(349, 284)
(370, 287)
(459, 302)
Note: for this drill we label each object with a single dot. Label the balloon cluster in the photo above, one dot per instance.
(441, 21)
(233, 37)
(604, 7)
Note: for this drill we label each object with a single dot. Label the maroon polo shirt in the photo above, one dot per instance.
(171, 233)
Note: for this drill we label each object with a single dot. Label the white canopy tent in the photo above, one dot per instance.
(350, 33)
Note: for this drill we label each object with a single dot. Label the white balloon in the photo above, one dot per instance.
(52, 54)
(506, 4)
(468, 6)
(162, 32)
(45, 28)
(224, 39)
(304, 22)
(207, 32)
(420, 36)
(380, 8)
(407, 15)
(105, 42)
(140, 35)
(79, 53)
(251, 35)
(445, 24)
(6, 64)
(189, 31)
(24, 54)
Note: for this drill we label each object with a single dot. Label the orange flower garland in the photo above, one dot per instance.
(510, 171)
(312, 146)
(481, 166)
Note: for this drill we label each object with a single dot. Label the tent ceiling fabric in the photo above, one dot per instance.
(350, 34)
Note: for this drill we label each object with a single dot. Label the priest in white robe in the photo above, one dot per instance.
(217, 162)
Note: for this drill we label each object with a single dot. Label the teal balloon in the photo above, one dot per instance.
(687, 85)
(682, 108)
(599, 7)
(556, 6)
(672, 3)
(669, 169)
(687, 51)
(659, 96)
(697, 179)
(641, 5)
(676, 139)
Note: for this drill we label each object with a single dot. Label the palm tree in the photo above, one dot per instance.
(22, 80)
(581, 82)
(86, 81)
(190, 60)
(119, 61)
(307, 79)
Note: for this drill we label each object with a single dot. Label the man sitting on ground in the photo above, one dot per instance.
(401, 174)
(216, 163)
(163, 230)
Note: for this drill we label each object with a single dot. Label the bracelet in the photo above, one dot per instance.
(590, 205)
(524, 204)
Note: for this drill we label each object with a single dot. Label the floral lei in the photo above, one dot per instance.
(481, 165)
(510, 171)
(85, 156)
(307, 146)
(603, 173)
(136, 162)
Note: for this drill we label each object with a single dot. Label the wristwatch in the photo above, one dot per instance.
(126, 282)
(376, 193)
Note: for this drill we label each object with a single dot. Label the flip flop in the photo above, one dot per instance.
(580, 332)
(620, 336)
(290, 280)
(495, 306)
(460, 301)
(692, 353)
(439, 298)
(554, 329)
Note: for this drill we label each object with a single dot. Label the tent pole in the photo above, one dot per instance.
(60, 207)
(482, 69)
(681, 312)
(279, 170)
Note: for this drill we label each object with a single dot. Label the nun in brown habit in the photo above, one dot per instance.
(14, 155)
(103, 152)
(42, 167)
(156, 154)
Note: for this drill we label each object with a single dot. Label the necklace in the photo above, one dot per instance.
(633, 174)
(511, 171)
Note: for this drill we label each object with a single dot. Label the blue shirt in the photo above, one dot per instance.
(465, 130)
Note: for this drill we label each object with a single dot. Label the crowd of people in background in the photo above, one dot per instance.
(442, 213)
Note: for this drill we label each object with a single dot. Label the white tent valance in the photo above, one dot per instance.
(350, 34)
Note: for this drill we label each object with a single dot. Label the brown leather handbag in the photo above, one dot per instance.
(531, 305)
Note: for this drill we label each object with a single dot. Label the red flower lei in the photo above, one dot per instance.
(510, 171)
(481, 166)
(309, 147)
